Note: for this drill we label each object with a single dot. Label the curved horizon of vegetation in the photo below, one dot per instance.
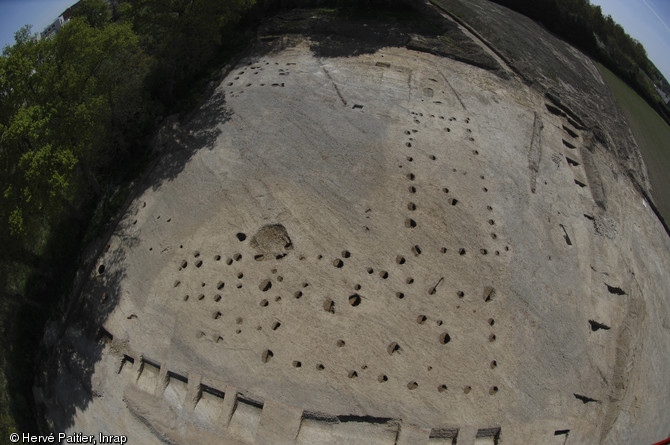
(77, 113)
(584, 25)
(652, 135)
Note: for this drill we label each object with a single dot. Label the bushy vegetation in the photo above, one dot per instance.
(76, 114)
(583, 25)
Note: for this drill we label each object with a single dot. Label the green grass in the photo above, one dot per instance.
(326, 11)
(652, 135)
(448, 40)
(289, 26)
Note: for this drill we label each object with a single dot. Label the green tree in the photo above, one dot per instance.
(584, 25)
(183, 35)
(66, 102)
(96, 12)
(35, 172)
(75, 110)
(95, 88)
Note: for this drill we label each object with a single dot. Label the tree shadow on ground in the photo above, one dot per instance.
(350, 32)
(72, 347)
(175, 143)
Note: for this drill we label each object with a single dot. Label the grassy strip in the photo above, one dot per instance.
(652, 135)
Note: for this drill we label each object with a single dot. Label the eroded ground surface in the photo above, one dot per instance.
(386, 248)
(567, 77)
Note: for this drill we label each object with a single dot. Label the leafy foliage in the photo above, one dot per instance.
(76, 112)
(64, 108)
(182, 35)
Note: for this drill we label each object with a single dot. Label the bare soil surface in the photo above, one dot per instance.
(569, 79)
(378, 246)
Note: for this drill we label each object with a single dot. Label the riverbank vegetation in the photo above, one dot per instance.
(77, 112)
(584, 25)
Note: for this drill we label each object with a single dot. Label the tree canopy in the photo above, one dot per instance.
(64, 102)
(76, 106)
(77, 110)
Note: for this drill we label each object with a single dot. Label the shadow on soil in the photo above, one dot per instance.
(176, 144)
(356, 31)
(348, 32)
(71, 349)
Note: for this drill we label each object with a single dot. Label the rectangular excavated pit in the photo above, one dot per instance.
(487, 436)
(148, 379)
(176, 389)
(245, 420)
(313, 431)
(442, 436)
(127, 368)
(210, 404)
(560, 437)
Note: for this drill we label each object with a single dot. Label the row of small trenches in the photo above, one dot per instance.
(256, 70)
(569, 141)
(205, 391)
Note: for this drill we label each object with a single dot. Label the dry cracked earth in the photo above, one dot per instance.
(386, 248)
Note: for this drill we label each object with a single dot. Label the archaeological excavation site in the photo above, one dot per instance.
(367, 234)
